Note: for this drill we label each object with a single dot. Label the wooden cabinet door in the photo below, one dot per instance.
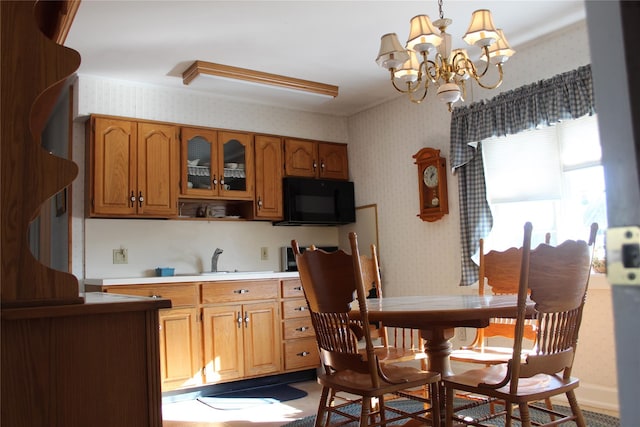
(300, 158)
(261, 338)
(158, 175)
(223, 342)
(333, 161)
(235, 149)
(268, 170)
(199, 162)
(180, 361)
(112, 159)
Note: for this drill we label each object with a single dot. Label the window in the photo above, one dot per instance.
(552, 177)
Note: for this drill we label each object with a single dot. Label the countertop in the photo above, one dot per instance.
(246, 275)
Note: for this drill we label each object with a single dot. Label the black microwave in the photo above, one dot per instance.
(317, 202)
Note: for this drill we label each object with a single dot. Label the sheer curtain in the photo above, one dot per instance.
(565, 96)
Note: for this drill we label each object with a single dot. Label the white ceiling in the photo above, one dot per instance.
(333, 42)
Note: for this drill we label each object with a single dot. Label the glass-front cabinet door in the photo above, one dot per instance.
(217, 164)
(199, 162)
(235, 154)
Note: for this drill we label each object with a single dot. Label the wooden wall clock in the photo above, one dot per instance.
(432, 184)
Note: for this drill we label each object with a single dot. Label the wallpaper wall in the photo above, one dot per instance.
(416, 257)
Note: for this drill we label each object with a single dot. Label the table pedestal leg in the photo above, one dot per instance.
(438, 348)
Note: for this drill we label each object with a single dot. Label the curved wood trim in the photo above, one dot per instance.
(35, 69)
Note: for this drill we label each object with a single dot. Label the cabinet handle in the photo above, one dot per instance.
(259, 203)
(132, 199)
(239, 320)
(302, 328)
(303, 354)
(315, 165)
(297, 288)
(246, 319)
(214, 181)
(155, 296)
(301, 308)
(140, 198)
(241, 291)
(321, 164)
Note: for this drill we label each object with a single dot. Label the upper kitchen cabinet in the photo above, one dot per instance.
(268, 203)
(315, 159)
(132, 168)
(216, 164)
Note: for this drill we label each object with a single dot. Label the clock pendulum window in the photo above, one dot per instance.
(432, 184)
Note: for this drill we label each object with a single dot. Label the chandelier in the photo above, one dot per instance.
(412, 71)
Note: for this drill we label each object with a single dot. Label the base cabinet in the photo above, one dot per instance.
(230, 330)
(180, 364)
(240, 341)
(298, 337)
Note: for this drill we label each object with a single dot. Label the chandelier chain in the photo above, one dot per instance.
(440, 9)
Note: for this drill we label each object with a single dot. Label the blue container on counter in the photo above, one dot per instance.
(165, 271)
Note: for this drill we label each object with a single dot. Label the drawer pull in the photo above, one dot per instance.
(302, 328)
(297, 288)
(301, 308)
(303, 354)
(155, 296)
(241, 291)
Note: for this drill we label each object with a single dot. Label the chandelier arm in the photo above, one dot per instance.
(410, 88)
(498, 83)
(419, 100)
(485, 51)
(432, 70)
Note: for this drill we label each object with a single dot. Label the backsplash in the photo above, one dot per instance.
(188, 246)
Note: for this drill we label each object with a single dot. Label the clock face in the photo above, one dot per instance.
(430, 176)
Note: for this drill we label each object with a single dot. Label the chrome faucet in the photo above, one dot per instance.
(214, 260)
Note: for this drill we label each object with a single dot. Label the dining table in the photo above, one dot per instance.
(437, 316)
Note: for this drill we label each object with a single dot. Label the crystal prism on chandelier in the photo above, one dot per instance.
(412, 71)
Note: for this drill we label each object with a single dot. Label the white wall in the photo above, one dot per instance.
(424, 258)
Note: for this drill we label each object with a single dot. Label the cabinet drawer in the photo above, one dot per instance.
(292, 288)
(297, 328)
(301, 354)
(238, 291)
(294, 308)
(180, 295)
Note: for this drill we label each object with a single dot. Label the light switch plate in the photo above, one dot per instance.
(120, 256)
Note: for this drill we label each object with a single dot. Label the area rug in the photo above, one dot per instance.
(248, 398)
(593, 419)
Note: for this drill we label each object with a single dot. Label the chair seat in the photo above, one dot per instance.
(536, 387)
(401, 377)
(488, 355)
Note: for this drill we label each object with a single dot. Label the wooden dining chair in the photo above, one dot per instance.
(333, 286)
(396, 344)
(499, 271)
(552, 291)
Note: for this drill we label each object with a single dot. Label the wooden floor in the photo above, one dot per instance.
(193, 413)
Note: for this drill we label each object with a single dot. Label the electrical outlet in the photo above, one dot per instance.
(120, 256)
(264, 253)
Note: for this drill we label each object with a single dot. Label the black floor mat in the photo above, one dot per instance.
(242, 399)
